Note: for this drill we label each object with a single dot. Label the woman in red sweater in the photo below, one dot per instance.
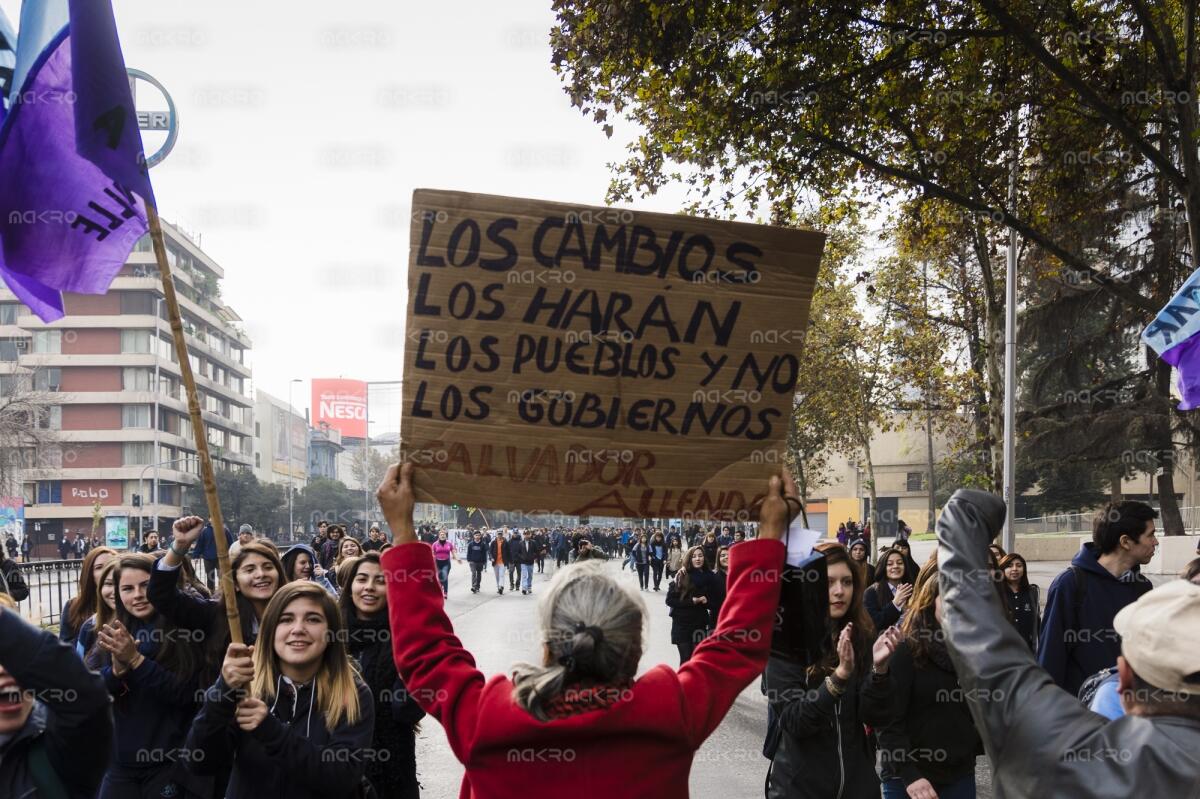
(579, 724)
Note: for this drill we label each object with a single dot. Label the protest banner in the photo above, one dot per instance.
(599, 361)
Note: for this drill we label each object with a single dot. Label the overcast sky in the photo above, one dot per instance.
(305, 128)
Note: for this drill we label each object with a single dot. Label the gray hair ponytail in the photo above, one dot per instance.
(591, 626)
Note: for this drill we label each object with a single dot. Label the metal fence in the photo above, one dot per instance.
(1068, 523)
(52, 584)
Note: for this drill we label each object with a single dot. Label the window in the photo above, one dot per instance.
(139, 453)
(258, 429)
(12, 348)
(916, 481)
(133, 379)
(137, 302)
(216, 437)
(135, 416)
(8, 385)
(9, 311)
(133, 341)
(47, 379)
(144, 244)
(258, 460)
(50, 418)
(47, 341)
(49, 492)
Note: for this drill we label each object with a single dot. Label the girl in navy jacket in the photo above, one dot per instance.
(151, 669)
(303, 727)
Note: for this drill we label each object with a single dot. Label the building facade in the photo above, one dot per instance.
(110, 382)
(280, 442)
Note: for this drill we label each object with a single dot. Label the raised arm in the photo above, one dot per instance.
(430, 659)
(1016, 706)
(725, 662)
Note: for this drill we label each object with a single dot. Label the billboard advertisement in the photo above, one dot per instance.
(342, 404)
(116, 532)
(12, 517)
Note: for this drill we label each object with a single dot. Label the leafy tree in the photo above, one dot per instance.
(770, 102)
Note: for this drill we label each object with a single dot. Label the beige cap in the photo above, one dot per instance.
(1160, 636)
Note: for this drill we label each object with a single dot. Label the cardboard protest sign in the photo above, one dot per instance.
(599, 361)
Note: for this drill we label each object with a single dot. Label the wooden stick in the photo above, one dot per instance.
(228, 589)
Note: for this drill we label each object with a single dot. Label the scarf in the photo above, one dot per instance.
(585, 696)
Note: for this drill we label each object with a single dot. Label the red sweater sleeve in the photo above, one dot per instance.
(437, 671)
(725, 662)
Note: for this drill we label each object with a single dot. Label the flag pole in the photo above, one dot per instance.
(189, 383)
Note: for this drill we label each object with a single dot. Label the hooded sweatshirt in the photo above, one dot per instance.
(1078, 642)
(289, 559)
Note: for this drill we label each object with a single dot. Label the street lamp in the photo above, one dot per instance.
(291, 475)
(141, 488)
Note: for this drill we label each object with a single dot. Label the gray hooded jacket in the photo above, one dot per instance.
(1040, 740)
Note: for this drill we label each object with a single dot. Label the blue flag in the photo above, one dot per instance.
(73, 174)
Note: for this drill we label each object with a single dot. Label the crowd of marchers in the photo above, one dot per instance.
(345, 646)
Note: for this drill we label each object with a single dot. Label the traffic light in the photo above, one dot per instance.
(137, 500)
(453, 507)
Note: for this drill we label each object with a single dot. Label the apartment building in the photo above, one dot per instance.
(108, 380)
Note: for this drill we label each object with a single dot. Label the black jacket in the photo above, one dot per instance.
(11, 580)
(689, 621)
(822, 750)
(932, 735)
(877, 600)
(71, 721)
(153, 708)
(290, 754)
(396, 711)
(523, 552)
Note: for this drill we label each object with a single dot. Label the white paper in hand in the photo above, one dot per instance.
(800, 541)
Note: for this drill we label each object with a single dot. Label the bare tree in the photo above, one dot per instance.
(27, 440)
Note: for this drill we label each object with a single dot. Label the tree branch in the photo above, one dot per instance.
(1111, 115)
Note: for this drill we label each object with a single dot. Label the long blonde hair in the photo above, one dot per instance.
(336, 684)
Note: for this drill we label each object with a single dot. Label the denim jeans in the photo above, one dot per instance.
(526, 576)
(443, 567)
(961, 789)
(499, 569)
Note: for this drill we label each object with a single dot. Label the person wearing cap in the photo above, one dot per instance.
(245, 536)
(1040, 740)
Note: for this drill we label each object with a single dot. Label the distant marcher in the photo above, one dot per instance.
(477, 557)
(1024, 598)
(149, 542)
(245, 536)
(688, 597)
(887, 596)
(206, 550)
(12, 582)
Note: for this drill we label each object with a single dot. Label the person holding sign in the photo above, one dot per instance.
(583, 701)
(290, 717)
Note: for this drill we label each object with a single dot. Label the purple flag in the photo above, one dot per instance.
(72, 171)
(1175, 336)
